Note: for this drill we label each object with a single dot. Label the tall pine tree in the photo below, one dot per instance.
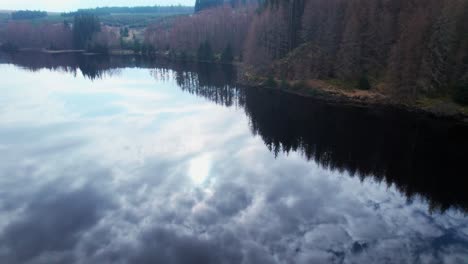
(205, 4)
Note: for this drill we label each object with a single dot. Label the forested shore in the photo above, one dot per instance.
(413, 53)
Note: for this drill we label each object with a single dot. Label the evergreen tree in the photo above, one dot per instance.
(201, 51)
(183, 56)
(198, 5)
(205, 53)
(137, 47)
(364, 83)
(209, 52)
(124, 32)
(205, 4)
(66, 24)
(461, 94)
(84, 27)
(227, 55)
(27, 14)
(270, 82)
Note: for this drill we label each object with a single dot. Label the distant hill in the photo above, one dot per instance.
(132, 17)
(28, 14)
(206, 4)
(101, 11)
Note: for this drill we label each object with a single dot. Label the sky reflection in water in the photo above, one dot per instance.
(132, 169)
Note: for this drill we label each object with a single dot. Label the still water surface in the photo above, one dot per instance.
(120, 160)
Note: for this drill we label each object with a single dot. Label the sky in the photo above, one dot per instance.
(70, 5)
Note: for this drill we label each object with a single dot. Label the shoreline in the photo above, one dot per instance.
(121, 52)
(317, 89)
(118, 52)
(339, 98)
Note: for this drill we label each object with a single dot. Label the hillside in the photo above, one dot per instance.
(133, 17)
(403, 49)
(407, 52)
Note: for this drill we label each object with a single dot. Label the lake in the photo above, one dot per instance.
(127, 160)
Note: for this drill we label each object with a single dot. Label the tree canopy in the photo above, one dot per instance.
(174, 9)
(84, 26)
(227, 55)
(205, 4)
(205, 52)
(27, 14)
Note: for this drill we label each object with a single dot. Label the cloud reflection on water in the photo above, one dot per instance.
(172, 178)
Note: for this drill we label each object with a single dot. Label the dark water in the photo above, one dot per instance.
(124, 160)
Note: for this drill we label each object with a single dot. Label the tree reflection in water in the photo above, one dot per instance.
(419, 155)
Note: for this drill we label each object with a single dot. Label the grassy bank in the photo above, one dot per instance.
(339, 92)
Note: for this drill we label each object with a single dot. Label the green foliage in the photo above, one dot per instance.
(84, 27)
(137, 47)
(284, 84)
(237, 3)
(364, 83)
(227, 56)
(183, 56)
(66, 24)
(27, 14)
(100, 11)
(124, 32)
(125, 44)
(205, 53)
(122, 42)
(205, 4)
(133, 20)
(461, 94)
(271, 82)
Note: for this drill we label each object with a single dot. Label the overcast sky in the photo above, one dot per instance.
(67, 5)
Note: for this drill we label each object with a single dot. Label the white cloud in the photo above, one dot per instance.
(111, 195)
